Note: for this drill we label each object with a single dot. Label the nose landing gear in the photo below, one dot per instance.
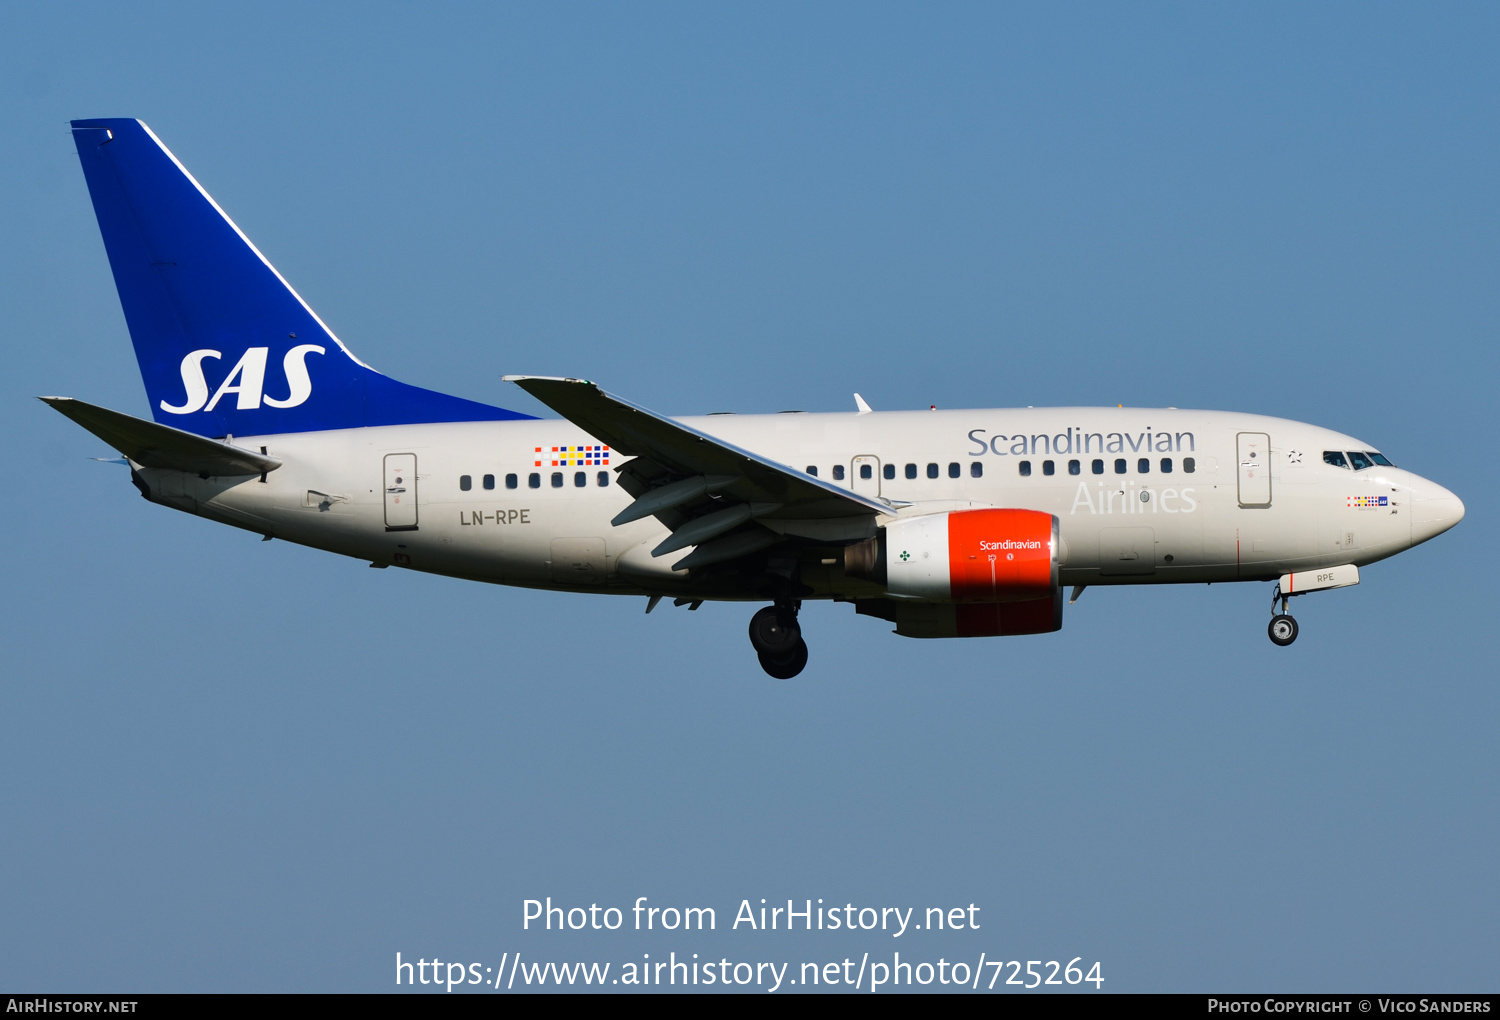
(1283, 628)
(777, 639)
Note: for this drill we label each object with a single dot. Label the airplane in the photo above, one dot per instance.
(962, 523)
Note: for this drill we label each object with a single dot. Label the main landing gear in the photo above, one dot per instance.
(778, 640)
(1283, 628)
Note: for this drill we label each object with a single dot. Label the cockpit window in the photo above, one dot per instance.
(1359, 460)
(1335, 458)
(1379, 458)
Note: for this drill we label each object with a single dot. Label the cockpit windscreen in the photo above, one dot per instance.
(1357, 459)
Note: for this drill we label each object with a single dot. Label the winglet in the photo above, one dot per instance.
(859, 402)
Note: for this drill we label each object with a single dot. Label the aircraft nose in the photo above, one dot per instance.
(1433, 510)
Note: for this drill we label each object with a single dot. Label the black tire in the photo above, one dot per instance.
(787, 666)
(774, 632)
(1283, 630)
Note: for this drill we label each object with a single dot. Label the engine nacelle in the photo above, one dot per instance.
(968, 573)
(963, 556)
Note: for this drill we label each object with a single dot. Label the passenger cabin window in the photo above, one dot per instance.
(489, 481)
(580, 479)
(557, 479)
(603, 479)
(1025, 469)
(465, 482)
(534, 480)
(866, 471)
(890, 471)
(812, 469)
(511, 481)
(1166, 465)
(1189, 464)
(976, 469)
(1335, 458)
(1379, 458)
(1049, 468)
(1097, 467)
(1359, 460)
(932, 470)
(1143, 465)
(1119, 465)
(911, 471)
(838, 472)
(1074, 468)
(954, 470)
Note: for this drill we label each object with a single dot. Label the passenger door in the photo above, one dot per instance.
(401, 492)
(1253, 454)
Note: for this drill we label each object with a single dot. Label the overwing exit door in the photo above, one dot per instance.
(401, 492)
(865, 476)
(1253, 454)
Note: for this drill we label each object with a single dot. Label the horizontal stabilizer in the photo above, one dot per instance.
(161, 446)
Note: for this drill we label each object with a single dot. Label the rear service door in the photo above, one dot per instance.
(401, 492)
(1253, 454)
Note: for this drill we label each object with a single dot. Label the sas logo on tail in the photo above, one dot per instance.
(246, 380)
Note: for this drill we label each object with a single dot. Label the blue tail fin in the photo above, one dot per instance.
(224, 343)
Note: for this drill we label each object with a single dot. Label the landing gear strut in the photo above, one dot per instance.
(777, 639)
(1283, 628)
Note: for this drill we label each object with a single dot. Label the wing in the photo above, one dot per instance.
(727, 501)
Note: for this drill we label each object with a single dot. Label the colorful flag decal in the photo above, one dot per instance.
(1368, 502)
(572, 456)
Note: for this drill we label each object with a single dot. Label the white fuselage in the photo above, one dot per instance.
(1211, 504)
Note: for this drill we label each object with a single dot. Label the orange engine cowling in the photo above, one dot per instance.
(969, 573)
(963, 556)
(1001, 555)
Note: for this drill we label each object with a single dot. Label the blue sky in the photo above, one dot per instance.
(230, 765)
